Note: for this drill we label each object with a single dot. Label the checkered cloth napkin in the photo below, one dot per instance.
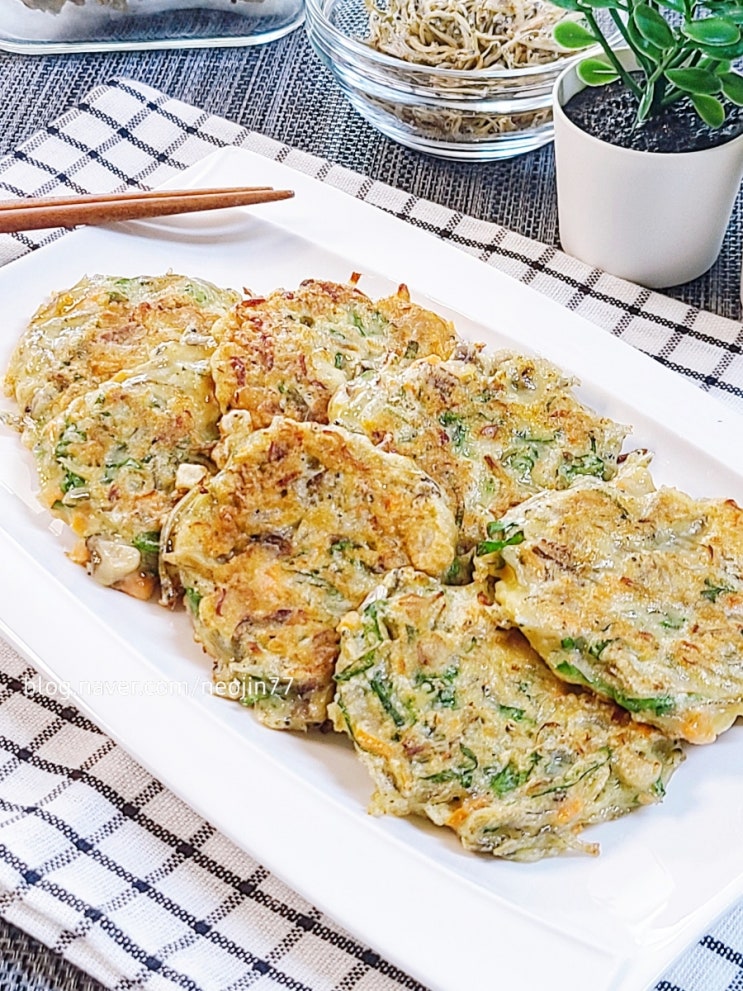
(97, 859)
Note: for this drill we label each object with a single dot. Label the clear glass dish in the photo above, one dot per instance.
(474, 115)
(56, 26)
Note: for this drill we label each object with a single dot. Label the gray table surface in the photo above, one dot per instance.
(282, 90)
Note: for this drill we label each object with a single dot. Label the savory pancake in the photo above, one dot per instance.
(459, 720)
(490, 429)
(109, 463)
(292, 532)
(634, 592)
(288, 353)
(85, 335)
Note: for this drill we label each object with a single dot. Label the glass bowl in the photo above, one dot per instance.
(53, 26)
(470, 114)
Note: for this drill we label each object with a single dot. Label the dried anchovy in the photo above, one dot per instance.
(466, 34)
(462, 126)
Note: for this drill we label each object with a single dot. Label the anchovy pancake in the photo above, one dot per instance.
(104, 324)
(635, 592)
(109, 463)
(290, 534)
(491, 430)
(288, 353)
(460, 721)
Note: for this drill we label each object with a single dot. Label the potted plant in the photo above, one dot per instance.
(649, 136)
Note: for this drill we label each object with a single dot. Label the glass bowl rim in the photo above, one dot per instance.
(316, 17)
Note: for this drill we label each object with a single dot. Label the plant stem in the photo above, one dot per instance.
(608, 51)
(671, 97)
(655, 85)
(641, 59)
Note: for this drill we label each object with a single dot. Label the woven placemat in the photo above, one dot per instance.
(97, 859)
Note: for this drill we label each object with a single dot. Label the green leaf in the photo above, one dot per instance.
(661, 705)
(382, 688)
(653, 26)
(709, 109)
(596, 72)
(718, 66)
(732, 87)
(591, 464)
(147, 542)
(731, 52)
(570, 34)
(695, 80)
(358, 667)
(455, 428)
(722, 8)
(509, 778)
(193, 598)
(735, 15)
(711, 592)
(562, 786)
(511, 712)
(730, 12)
(72, 481)
(462, 774)
(712, 31)
(677, 5)
(510, 535)
(640, 44)
(497, 527)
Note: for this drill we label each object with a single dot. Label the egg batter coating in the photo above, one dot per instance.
(460, 721)
(490, 429)
(290, 534)
(109, 463)
(85, 335)
(635, 592)
(288, 353)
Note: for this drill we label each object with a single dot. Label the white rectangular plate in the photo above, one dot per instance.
(452, 919)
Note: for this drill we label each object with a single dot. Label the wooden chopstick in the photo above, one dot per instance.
(26, 215)
(136, 194)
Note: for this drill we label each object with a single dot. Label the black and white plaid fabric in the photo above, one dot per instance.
(97, 859)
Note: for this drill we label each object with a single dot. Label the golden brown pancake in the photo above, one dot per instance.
(461, 722)
(294, 530)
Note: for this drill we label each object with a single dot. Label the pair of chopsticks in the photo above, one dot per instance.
(26, 215)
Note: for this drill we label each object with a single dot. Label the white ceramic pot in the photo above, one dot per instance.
(653, 218)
